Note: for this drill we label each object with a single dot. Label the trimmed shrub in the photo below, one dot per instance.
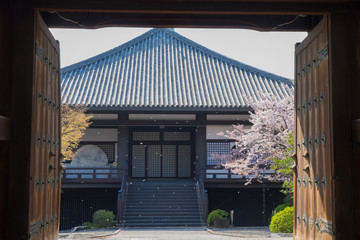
(103, 219)
(217, 214)
(282, 221)
(89, 225)
(288, 199)
(281, 207)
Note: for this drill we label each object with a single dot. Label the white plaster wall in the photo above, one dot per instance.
(213, 130)
(229, 117)
(104, 117)
(162, 117)
(100, 135)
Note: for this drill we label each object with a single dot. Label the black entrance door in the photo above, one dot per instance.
(166, 154)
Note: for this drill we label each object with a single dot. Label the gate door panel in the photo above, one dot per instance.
(314, 164)
(44, 184)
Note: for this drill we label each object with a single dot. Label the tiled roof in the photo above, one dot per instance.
(162, 70)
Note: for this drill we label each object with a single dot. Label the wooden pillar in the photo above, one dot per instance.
(200, 142)
(21, 63)
(342, 79)
(123, 147)
(5, 96)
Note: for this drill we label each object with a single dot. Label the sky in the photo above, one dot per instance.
(269, 51)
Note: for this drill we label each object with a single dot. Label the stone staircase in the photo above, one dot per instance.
(161, 203)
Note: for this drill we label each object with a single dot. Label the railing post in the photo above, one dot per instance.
(205, 205)
(119, 214)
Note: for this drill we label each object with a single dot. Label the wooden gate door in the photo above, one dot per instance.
(313, 217)
(44, 187)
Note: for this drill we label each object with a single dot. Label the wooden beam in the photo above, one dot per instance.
(355, 130)
(115, 123)
(255, 22)
(192, 6)
(5, 125)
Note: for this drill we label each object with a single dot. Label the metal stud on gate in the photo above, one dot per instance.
(39, 97)
(309, 66)
(311, 222)
(310, 182)
(309, 103)
(324, 182)
(317, 182)
(299, 109)
(316, 140)
(298, 218)
(36, 183)
(304, 219)
(317, 224)
(299, 181)
(42, 182)
(322, 97)
(299, 144)
(327, 227)
(316, 100)
(314, 61)
(304, 181)
(310, 142)
(323, 139)
(43, 140)
(304, 106)
(52, 181)
(38, 139)
(304, 143)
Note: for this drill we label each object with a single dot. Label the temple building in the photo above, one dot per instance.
(158, 103)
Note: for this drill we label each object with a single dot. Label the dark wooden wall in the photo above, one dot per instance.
(252, 206)
(84, 202)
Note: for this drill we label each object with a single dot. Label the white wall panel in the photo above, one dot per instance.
(100, 135)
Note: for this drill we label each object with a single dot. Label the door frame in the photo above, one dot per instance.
(161, 142)
(18, 45)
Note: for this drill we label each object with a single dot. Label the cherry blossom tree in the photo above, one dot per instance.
(266, 144)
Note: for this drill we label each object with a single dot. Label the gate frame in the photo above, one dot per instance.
(344, 51)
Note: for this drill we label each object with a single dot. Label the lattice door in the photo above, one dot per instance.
(44, 184)
(314, 164)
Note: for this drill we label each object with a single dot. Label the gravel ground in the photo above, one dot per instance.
(177, 234)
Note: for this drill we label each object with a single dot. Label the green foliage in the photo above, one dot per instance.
(284, 166)
(282, 221)
(289, 200)
(89, 225)
(217, 214)
(103, 219)
(281, 207)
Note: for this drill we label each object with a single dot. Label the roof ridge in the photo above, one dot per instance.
(186, 40)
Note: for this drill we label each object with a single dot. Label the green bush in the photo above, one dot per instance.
(288, 199)
(283, 221)
(217, 214)
(89, 225)
(281, 207)
(103, 218)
